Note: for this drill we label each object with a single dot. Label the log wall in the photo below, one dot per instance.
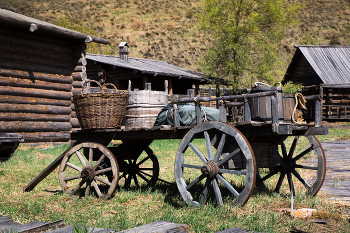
(36, 82)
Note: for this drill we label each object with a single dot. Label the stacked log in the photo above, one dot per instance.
(35, 105)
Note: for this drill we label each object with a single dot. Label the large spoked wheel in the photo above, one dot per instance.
(223, 164)
(306, 162)
(142, 171)
(78, 171)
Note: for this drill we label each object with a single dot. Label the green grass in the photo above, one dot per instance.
(136, 207)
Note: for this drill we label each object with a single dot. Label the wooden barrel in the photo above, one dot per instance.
(261, 109)
(143, 108)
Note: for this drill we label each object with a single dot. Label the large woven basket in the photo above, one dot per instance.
(100, 110)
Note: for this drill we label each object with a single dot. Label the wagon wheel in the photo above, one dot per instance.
(77, 171)
(307, 165)
(144, 170)
(197, 166)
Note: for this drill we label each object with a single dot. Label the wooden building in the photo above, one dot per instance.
(323, 70)
(38, 62)
(120, 69)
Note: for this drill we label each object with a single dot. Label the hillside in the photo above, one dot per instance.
(167, 29)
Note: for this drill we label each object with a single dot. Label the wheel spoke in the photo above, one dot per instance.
(97, 189)
(233, 172)
(198, 179)
(227, 158)
(296, 158)
(191, 166)
(74, 166)
(87, 189)
(143, 177)
(284, 150)
(270, 175)
(81, 159)
(142, 161)
(217, 192)
(99, 161)
(220, 147)
(208, 145)
(136, 181)
(297, 175)
(227, 185)
(205, 192)
(78, 187)
(305, 167)
(103, 170)
(72, 178)
(197, 152)
(103, 180)
(292, 148)
(91, 153)
(290, 183)
(128, 181)
(279, 182)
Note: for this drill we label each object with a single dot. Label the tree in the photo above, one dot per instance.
(245, 38)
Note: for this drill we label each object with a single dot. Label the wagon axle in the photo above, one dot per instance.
(87, 174)
(210, 169)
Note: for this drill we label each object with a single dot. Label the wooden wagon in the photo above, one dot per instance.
(227, 158)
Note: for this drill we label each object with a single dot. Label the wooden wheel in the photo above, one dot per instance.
(225, 161)
(144, 170)
(77, 170)
(307, 165)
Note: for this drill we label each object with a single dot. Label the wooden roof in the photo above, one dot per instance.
(150, 67)
(330, 63)
(13, 19)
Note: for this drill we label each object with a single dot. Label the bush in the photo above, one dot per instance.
(291, 88)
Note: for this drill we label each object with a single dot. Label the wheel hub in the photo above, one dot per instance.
(288, 165)
(210, 169)
(87, 174)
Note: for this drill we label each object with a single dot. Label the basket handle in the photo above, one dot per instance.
(110, 84)
(88, 81)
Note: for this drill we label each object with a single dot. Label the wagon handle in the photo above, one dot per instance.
(110, 84)
(88, 81)
(260, 83)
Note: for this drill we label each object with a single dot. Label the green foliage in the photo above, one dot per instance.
(292, 88)
(245, 38)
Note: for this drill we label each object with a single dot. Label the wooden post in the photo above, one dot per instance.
(197, 88)
(223, 113)
(318, 113)
(129, 86)
(166, 86)
(210, 96)
(176, 116)
(247, 113)
(198, 113)
(170, 86)
(274, 113)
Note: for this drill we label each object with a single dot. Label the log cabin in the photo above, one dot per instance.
(323, 70)
(38, 62)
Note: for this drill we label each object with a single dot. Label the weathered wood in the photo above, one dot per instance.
(77, 84)
(176, 116)
(223, 113)
(227, 139)
(25, 108)
(247, 112)
(45, 136)
(33, 100)
(143, 108)
(75, 123)
(77, 76)
(318, 113)
(20, 116)
(198, 113)
(31, 92)
(229, 98)
(7, 64)
(47, 170)
(158, 226)
(33, 126)
(93, 175)
(36, 76)
(28, 83)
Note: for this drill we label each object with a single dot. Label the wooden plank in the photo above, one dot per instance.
(157, 226)
(36, 228)
(47, 170)
(5, 219)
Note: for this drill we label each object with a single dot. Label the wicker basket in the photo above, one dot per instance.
(100, 110)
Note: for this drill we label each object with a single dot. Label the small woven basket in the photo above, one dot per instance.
(100, 110)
